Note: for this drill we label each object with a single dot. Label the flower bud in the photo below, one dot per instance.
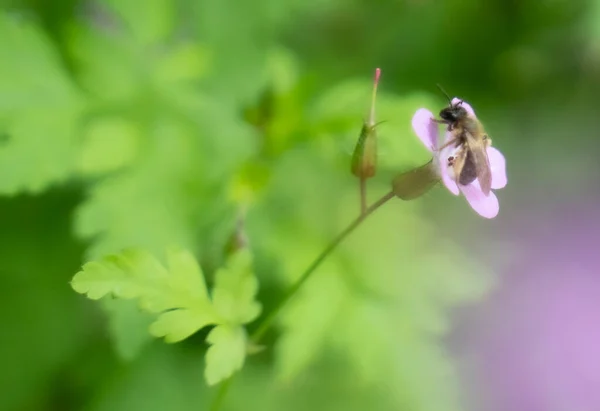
(416, 182)
(364, 158)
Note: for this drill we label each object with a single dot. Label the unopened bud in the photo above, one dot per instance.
(416, 182)
(364, 158)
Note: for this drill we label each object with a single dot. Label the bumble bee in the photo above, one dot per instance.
(470, 160)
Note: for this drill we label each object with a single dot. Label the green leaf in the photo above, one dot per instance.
(39, 113)
(226, 354)
(179, 324)
(137, 274)
(155, 132)
(109, 144)
(148, 24)
(109, 67)
(133, 67)
(235, 290)
(178, 294)
(127, 320)
(155, 201)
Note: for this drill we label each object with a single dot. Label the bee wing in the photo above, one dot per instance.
(478, 154)
(459, 159)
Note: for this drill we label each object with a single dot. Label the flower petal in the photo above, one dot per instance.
(447, 137)
(447, 151)
(449, 183)
(487, 207)
(425, 128)
(498, 166)
(466, 105)
(447, 172)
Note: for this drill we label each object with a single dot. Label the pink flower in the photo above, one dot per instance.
(427, 131)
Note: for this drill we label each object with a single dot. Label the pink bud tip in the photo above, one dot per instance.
(376, 82)
(377, 74)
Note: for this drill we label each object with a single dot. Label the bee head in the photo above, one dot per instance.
(454, 112)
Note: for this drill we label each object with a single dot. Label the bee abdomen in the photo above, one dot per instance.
(468, 174)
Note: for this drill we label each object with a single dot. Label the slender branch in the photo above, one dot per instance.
(268, 320)
(363, 195)
(221, 394)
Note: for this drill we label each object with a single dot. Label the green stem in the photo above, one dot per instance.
(268, 320)
(220, 397)
(363, 195)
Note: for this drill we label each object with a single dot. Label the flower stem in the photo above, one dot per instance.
(221, 394)
(363, 195)
(268, 320)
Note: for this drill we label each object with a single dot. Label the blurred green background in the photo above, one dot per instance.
(152, 123)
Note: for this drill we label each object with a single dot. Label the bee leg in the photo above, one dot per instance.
(454, 140)
(450, 124)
